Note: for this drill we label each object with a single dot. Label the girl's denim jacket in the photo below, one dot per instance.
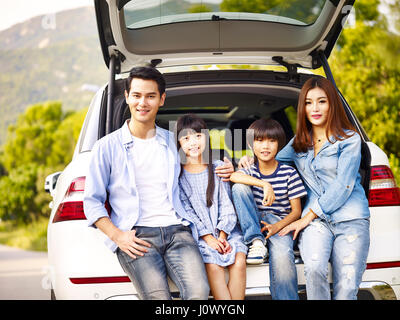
(331, 178)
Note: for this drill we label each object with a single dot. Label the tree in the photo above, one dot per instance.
(367, 71)
(30, 140)
(41, 142)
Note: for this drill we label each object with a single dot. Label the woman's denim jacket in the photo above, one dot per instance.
(332, 178)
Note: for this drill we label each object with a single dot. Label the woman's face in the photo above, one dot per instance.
(193, 144)
(317, 107)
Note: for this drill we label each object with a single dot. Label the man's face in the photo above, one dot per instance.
(144, 100)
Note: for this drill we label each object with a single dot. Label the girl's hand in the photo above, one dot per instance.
(270, 228)
(245, 162)
(269, 195)
(222, 239)
(226, 246)
(224, 171)
(213, 243)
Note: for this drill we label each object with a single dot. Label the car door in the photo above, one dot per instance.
(189, 32)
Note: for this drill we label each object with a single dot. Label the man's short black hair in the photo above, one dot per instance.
(146, 73)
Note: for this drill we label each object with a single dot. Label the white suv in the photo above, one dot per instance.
(165, 35)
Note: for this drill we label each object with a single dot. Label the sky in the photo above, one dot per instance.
(16, 11)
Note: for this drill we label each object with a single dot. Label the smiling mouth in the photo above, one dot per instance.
(316, 116)
(142, 111)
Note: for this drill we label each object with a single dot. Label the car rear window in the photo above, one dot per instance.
(147, 13)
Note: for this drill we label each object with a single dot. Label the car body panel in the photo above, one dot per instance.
(228, 40)
(78, 251)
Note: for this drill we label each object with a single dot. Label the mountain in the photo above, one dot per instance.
(50, 57)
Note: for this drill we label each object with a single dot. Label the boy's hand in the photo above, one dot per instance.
(269, 195)
(270, 228)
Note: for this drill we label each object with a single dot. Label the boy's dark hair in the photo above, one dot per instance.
(266, 128)
(146, 73)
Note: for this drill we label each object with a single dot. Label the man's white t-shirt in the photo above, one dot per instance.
(151, 175)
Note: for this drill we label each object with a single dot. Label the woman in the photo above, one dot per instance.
(335, 219)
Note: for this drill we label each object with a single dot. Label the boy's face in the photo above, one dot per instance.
(265, 149)
(144, 100)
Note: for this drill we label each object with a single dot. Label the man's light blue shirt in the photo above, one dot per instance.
(111, 176)
(331, 178)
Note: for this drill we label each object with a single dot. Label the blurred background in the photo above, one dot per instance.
(51, 65)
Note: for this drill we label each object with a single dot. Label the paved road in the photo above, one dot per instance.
(22, 274)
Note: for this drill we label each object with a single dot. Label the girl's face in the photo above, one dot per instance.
(193, 144)
(317, 107)
(265, 149)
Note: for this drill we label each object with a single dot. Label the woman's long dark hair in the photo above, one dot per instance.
(188, 124)
(337, 118)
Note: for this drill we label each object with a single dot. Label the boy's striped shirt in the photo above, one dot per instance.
(286, 183)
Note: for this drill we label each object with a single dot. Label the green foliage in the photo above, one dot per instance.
(31, 139)
(297, 9)
(41, 142)
(17, 191)
(197, 8)
(367, 71)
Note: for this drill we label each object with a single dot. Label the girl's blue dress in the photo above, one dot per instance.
(220, 216)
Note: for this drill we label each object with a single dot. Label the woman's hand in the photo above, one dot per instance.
(224, 171)
(245, 162)
(298, 225)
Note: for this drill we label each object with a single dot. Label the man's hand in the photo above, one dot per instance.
(224, 171)
(130, 244)
(125, 240)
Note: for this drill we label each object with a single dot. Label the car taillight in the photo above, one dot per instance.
(383, 190)
(71, 208)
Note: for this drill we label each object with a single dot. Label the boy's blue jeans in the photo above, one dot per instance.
(282, 268)
(173, 253)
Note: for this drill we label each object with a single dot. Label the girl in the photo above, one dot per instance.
(206, 200)
(327, 153)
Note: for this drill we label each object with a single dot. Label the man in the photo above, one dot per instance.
(138, 167)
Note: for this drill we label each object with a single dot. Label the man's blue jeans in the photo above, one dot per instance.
(282, 268)
(173, 253)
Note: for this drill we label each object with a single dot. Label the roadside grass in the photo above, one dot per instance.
(32, 236)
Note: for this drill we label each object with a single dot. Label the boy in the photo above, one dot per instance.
(274, 200)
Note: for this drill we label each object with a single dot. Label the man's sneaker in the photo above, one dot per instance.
(257, 253)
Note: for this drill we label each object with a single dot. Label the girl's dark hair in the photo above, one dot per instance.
(338, 121)
(266, 129)
(188, 124)
(146, 73)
